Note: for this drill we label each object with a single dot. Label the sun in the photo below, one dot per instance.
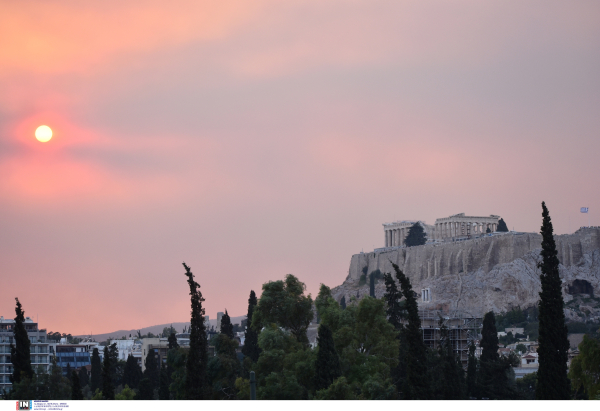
(43, 133)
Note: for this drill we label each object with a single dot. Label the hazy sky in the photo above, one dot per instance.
(256, 139)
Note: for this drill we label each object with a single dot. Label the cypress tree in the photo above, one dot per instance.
(416, 235)
(452, 372)
(226, 326)
(472, 372)
(132, 374)
(372, 285)
(163, 389)
(152, 371)
(195, 381)
(146, 391)
(173, 341)
(20, 352)
(327, 364)
(416, 385)
(343, 302)
(492, 378)
(84, 378)
(76, 393)
(501, 227)
(250, 348)
(68, 371)
(552, 380)
(394, 312)
(108, 389)
(96, 371)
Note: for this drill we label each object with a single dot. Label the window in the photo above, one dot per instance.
(426, 295)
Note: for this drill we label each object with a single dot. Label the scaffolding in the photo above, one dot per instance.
(463, 327)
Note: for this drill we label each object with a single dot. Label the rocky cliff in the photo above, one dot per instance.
(489, 273)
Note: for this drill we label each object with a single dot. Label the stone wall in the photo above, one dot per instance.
(497, 272)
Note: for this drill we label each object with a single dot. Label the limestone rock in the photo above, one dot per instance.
(490, 273)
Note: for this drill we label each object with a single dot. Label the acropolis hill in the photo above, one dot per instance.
(493, 272)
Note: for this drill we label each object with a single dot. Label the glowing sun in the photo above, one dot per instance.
(43, 133)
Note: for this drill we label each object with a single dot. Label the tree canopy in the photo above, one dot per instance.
(416, 235)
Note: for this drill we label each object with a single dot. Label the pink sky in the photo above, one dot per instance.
(256, 139)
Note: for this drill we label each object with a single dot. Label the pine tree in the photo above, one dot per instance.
(472, 372)
(84, 378)
(226, 326)
(173, 341)
(76, 393)
(152, 371)
(197, 359)
(250, 348)
(163, 389)
(96, 371)
(416, 235)
(416, 385)
(501, 226)
(327, 364)
(108, 389)
(20, 352)
(552, 380)
(132, 374)
(343, 302)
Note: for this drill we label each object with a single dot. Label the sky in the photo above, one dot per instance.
(258, 139)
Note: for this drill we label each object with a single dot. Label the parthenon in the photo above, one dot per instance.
(445, 229)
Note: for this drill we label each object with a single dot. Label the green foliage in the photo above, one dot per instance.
(98, 395)
(242, 386)
(83, 376)
(416, 384)
(526, 386)
(339, 390)
(164, 382)
(521, 348)
(224, 368)
(343, 302)
(327, 365)
(197, 358)
(42, 386)
(176, 361)
(284, 303)
(108, 389)
(20, 352)
(501, 227)
(471, 380)
(372, 285)
(96, 371)
(173, 341)
(132, 373)
(585, 368)
(152, 371)
(416, 235)
(553, 383)
(76, 393)
(493, 378)
(251, 348)
(362, 280)
(146, 391)
(226, 326)
(126, 394)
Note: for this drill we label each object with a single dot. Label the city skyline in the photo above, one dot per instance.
(256, 140)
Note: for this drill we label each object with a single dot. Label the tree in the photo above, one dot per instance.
(68, 371)
(226, 326)
(20, 352)
(395, 313)
(96, 371)
(173, 341)
(116, 372)
(327, 366)
(108, 389)
(146, 390)
(163, 387)
(553, 383)
(152, 371)
(493, 381)
(472, 372)
(416, 385)
(372, 285)
(76, 393)
(84, 378)
(126, 394)
(416, 235)
(251, 348)
(451, 370)
(501, 226)
(132, 374)
(585, 368)
(284, 303)
(197, 359)
(343, 302)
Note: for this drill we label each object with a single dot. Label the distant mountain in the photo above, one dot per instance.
(155, 329)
